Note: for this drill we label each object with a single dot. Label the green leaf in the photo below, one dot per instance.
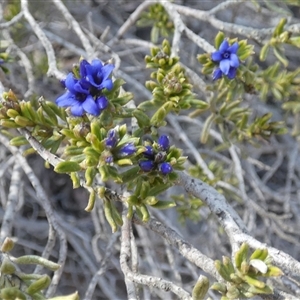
(199, 104)
(206, 127)
(279, 28)
(67, 167)
(164, 204)
(281, 57)
(157, 189)
(154, 34)
(295, 41)
(130, 174)
(264, 52)
(142, 119)
(18, 141)
(219, 39)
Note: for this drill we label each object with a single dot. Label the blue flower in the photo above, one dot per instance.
(147, 165)
(80, 100)
(165, 168)
(84, 95)
(128, 149)
(163, 142)
(228, 60)
(96, 74)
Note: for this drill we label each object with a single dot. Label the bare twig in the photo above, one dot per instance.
(52, 71)
(76, 27)
(13, 199)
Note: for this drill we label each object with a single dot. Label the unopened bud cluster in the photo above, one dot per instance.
(243, 280)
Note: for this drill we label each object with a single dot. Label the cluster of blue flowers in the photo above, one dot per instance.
(84, 94)
(156, 159)
(228, 60)
(111, 142)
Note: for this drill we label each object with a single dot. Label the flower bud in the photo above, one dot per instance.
(165, 168)
(128, 149)
(146, 165)
(163, 142)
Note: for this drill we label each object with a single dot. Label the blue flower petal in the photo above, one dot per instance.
(77, 109)
(82, 67)
(80, 89)
(106, 71)
(217, 74)
(232, 73)
(225, 66)
(97, 64)
(234, 60)
(165, 168)
(216, 56)
(67, 99)
(108, 84)
(70, 82)
(233, 48)
(224, 46)
(90, 106)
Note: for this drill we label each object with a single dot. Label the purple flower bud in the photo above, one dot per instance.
(111, 140)
(149, 153)
(102, 102)
(109, 159)
(165, 168)
(128, 149)
(163, 142)
(146, 165)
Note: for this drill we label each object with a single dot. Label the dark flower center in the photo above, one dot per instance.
(80, 97)
(226, 55)
(98, 78)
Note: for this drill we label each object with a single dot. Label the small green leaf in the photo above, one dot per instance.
(206, 127)
(18, 141)
(295, 41)
(264, 52)
(280, 56)
(164, 204)
(67, 167)
(219, 39)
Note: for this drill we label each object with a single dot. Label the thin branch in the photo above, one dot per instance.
(11, 22)
(76, 27)
(44, 153)
(52, 70)
(130, 21)
(184, 138)
(187, 250)
(144, 279)
(45, 203)
(103, 266)
(12, 202)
